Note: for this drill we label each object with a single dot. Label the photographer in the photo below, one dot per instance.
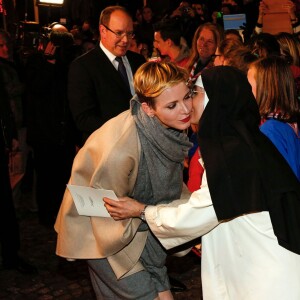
(51, 131)
(189, 20)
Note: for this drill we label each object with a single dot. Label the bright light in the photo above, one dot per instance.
(54, 2)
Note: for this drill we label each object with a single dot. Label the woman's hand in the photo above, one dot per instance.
(262, 8)
(124, 208)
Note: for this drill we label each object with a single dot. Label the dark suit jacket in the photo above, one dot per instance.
(96, 90)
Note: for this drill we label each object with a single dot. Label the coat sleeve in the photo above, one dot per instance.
(183, 220)
(98, 165)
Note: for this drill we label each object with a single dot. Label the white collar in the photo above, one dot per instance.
(199, 83)
(110, 56)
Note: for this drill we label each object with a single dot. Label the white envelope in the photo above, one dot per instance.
(89, 201)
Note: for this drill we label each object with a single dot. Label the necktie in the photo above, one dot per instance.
(122, 70)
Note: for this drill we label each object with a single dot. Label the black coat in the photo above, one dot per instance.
(49, 119)
(96, 90)
(7, 122)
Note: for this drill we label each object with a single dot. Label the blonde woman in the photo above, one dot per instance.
(139, 153)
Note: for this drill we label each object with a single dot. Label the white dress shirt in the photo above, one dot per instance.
(112, 58)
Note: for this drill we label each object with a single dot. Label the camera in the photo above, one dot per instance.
(59, 43)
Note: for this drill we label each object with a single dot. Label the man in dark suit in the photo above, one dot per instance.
(96, 90)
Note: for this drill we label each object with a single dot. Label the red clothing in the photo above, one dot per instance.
(183, 62)
(195, 172)
(296, 75)
(295, 70)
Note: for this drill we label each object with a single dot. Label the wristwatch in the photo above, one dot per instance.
(142, 214)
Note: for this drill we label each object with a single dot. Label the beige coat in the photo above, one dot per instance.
(109, 160)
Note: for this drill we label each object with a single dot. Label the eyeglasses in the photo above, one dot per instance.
(190, 94)
(121, 34)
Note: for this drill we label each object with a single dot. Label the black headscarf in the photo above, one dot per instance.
(245, 171)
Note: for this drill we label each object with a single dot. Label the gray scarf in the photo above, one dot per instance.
(163, 150)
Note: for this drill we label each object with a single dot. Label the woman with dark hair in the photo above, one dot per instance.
(263, 45)
(234, 53)
(248, 208)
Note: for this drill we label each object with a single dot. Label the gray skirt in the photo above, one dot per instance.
(143, 285)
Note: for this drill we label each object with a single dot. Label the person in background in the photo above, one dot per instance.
(274, 89)
(167, 40)
(138, 45)
(201, 11)
(55, 26)
(51, 131)
(145, 28)
(226, 8)
(236, 7)
(82, 43)
(290, 9)
(263, 45)
(248, 208)
(96, 90)
(233, 34)
(290, 50)
(226, 46)
(205, 42)
(87, 31)
(139, 153)
(233, 53)
(145, 51)
(14, 82)
(9, 227)
(189, 20)
(138, 17)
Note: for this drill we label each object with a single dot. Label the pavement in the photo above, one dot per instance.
(59, 279)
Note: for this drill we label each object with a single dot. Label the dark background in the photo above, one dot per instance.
(77, 11)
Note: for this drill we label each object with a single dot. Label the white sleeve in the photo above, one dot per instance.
(183, 220)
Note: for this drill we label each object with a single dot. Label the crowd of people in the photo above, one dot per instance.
(198, 124)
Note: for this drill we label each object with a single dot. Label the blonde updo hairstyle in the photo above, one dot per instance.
(152, 78)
